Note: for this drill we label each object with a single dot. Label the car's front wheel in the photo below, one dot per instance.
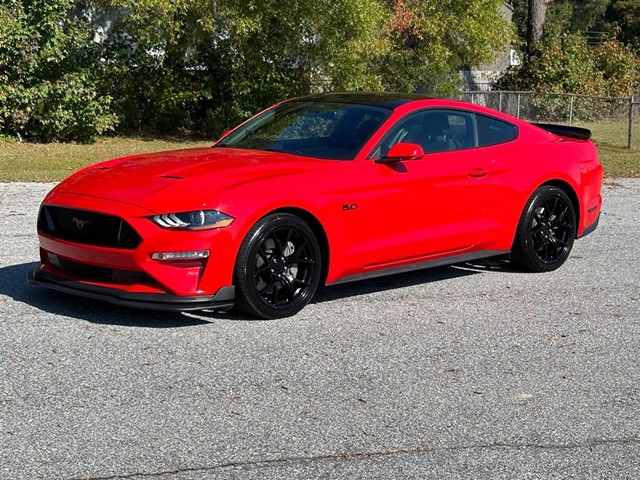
(546, 230)
(278, 267)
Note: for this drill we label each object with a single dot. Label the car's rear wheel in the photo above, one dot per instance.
(278, 267)
(546, 230)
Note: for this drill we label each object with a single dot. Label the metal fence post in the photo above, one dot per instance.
(571, 110)
(518, 111)
(629, 136)
(500, 102)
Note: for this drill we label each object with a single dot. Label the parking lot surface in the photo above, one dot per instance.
(469, 371)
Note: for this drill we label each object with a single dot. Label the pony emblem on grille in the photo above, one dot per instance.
(79, 223)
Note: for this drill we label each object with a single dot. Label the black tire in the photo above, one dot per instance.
(278, 267)
(546, 231)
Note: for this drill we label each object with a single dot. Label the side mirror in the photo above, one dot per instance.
(403, 151)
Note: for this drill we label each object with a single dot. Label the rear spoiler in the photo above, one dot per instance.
(566, 131)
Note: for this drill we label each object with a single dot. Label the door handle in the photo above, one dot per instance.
(478, 172)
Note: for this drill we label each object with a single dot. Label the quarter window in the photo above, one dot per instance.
(492, 131)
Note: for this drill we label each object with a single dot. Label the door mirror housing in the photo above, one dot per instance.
(403, 151)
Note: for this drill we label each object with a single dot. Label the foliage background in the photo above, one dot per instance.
(73, 70)
(590, 47)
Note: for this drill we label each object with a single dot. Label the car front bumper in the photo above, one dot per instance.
(131, 275)
(223, 299)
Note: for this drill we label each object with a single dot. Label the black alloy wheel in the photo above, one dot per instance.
(546, 230)
(278, 267)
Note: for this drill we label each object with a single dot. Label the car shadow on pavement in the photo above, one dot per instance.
(13, 284)
(389, 282)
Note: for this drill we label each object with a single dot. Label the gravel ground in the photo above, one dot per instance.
(470, 371)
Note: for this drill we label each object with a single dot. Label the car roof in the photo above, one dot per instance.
(395, 100)
(378, 99)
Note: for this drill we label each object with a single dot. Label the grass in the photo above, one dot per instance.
(31, 162)
(611, 140)
(34, 162)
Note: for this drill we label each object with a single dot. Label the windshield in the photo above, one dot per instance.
(313, 129)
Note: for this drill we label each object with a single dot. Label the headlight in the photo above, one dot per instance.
(196, 220)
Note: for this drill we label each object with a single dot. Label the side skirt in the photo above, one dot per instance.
(438, 262)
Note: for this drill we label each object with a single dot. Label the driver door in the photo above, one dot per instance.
(437, 206)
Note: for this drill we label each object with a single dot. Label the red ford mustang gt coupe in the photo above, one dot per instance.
(321, 189)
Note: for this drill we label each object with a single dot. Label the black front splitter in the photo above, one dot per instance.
(223, 299)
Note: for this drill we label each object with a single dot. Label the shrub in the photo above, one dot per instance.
(620, 67)
(48, 87)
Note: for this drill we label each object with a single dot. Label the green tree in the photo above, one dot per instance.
(431, 40)
(564, 62)
(620, 68)
(561, 63)
(624, 19)
(577, 16)
(223, 60)
(47, 71)
(569, 16)
(214, 63)
(69, 68)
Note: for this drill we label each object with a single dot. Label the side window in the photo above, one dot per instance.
(492, 131)
(457, 131)
(406, 130)
(434, 130)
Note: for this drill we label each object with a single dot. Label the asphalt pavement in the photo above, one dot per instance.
(470, 371)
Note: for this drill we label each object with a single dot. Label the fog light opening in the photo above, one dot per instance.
(189, 255)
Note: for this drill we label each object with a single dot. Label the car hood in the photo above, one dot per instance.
(184, 179)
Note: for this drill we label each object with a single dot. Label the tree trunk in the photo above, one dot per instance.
(535, 21)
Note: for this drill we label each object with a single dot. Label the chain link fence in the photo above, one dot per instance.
(612, 119)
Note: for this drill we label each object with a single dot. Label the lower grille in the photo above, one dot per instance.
(99, 274)
(88, 228)
(89, 272)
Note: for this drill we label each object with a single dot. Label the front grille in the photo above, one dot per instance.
(88, 228)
